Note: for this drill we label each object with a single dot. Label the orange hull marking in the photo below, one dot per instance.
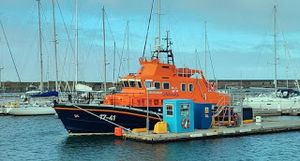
(128, 113)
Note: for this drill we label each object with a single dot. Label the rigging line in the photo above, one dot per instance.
(211, 63)
(11, 55)
(69, 41)
(104, 119)
(290, 58)
(199, 62)
(147, 32)
(122, 54)
(65, 26)
(106, 16)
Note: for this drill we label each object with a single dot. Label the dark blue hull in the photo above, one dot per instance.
(78, 119)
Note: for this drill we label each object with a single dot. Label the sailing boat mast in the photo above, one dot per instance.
(275, 57)
(76, 45)
(104, 53)
(55, 49)
(128, 47)
(41, 54)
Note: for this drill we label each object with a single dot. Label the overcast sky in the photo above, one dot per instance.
(239, 32)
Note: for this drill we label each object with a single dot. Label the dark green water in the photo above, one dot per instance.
(44, 138)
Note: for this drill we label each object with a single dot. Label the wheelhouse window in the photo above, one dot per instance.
(169, 110)
(132, 83)
(191, 87)
(183, 87)
(139, 84)
(184, 109)
(148, 83)
(125, 84)
(157, 85)
(166, 85)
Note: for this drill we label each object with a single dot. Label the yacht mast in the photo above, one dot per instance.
(128, 47)
(41, 54)
(76, 46)
(275, 57)
(104, 53)
(55, 49)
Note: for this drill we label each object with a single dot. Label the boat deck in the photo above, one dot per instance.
(266, 126)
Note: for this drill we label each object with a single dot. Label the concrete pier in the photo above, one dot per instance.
(266, 126)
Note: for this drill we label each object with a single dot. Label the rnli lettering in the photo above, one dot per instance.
(107, 117)
(166, 94)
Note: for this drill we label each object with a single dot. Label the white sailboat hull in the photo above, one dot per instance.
(31, 111)
(273, 103)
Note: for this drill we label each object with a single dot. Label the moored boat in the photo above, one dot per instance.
(156, 80)
(31, 110)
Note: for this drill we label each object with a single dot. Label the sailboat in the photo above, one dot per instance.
(280, 100)
(37, 103)
(156, 80)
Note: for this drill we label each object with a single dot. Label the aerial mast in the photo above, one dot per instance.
(128, 58)
(158, 25)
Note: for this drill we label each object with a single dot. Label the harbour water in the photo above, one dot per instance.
(44, 138)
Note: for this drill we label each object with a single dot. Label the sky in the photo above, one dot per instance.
(239, 37)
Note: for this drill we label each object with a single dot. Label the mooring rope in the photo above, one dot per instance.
(103, 118)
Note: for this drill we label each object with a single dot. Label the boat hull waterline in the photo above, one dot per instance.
(78, 119)
(31, 111)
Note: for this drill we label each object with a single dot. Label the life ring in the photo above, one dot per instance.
(212, 86)
(185, 123)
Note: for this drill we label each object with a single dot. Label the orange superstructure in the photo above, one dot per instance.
(166, 82)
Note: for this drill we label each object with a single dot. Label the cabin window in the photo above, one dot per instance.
(166, 85)
(183, 87)
(139, 84)
(191, 87)
(184, 109)
(157, 85)
(169, 110)
(148, 83)
(132, 83)
(126, 84)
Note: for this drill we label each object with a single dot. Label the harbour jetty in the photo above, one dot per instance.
(221, 84)
(268, 125)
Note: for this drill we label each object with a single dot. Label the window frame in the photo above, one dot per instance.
(164, 85)
(150, 83)
(155, 86)
(186, 112)
(130, 81)
(172, 110)
(184, 87)
(190, 88)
